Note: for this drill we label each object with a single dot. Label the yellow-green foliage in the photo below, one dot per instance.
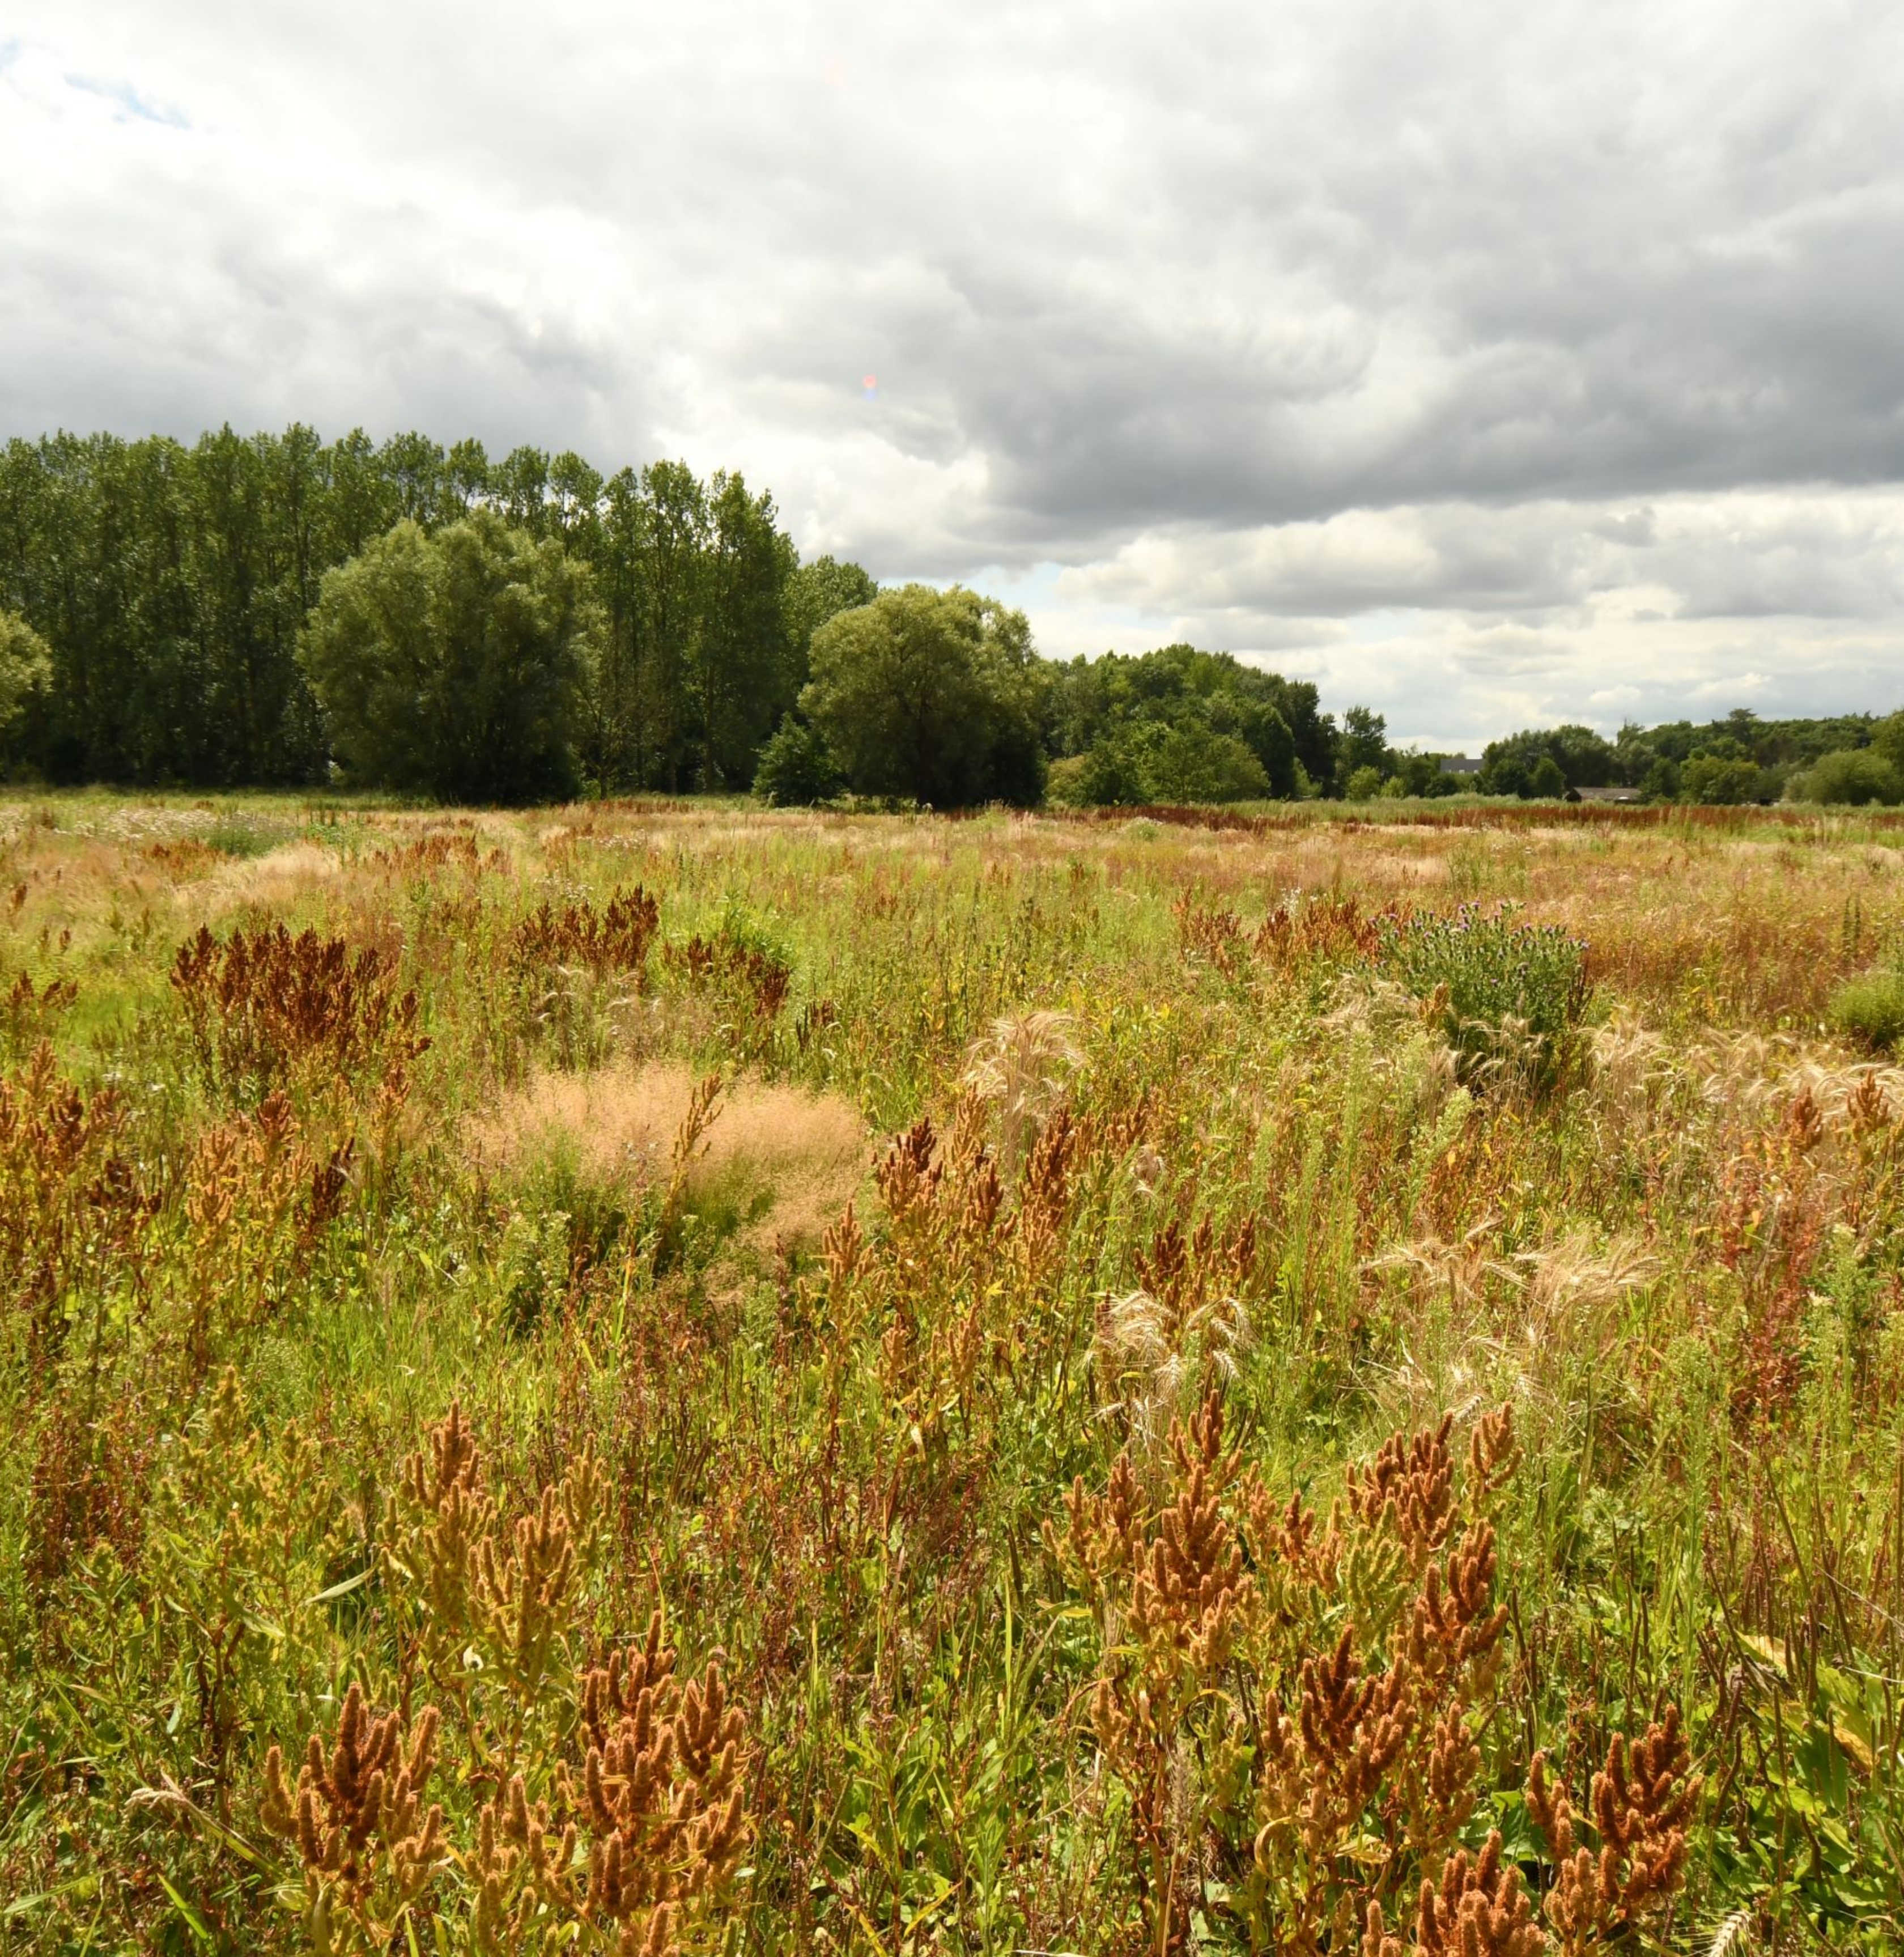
(649, 1377)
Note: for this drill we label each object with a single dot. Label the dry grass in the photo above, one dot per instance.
(279, 880)
(617, 1125)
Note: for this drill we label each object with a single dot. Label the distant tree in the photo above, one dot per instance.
(1887, 741)
(1721, 781)
(817, 592)
(1113, 776)
(1192, 764)
(455, 664)
(1660, 782)
(1581, 757)
(1364, 785)
(936, 696)
(1364, 745)
(1419, 774)
(1545, 780)
(1115, 698)
(1855, 776)
(741, 679)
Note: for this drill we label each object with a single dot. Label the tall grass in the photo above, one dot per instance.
(646, 1377)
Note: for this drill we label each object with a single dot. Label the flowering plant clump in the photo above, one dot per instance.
(1506, 993)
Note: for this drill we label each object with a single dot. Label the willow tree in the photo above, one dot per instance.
(454, 664)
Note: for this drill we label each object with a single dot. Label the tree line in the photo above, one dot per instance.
(173, 589)
(273, 609)
(1844, 758)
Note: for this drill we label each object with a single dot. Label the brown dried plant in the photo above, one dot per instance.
(1641, 1802)
(1410, 1488)
(1478, 1909)
(661, 1786)
(615, 1815)
(472, 1581)
(29, 1013)
(1260, 1733)
(363, 1836)
(1169, 1639)
(257, 1196)
(74, 1206)
(638, 1850)
(265, 1009)
(616, 938)
(430, 855)
(754, 974)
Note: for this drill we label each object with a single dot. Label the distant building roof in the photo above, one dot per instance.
(1459, 764)
(1615, 794)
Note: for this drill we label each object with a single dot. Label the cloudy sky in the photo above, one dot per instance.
(1491, 364)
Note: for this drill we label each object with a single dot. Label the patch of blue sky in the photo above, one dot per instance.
(133, 107)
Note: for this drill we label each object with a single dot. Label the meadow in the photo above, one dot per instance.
(650, 1377)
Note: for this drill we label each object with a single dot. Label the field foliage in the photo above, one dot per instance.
(646, 1377)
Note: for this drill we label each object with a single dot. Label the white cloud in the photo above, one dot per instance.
(1485, 360)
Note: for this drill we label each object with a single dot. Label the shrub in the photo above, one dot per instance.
(1064, 783)
(1363, 786)
(1109, 777)
(796, 768)
(1718, 783)
(1192, 764)
(1507, 992)
(1855, 776)
(1870, 1010)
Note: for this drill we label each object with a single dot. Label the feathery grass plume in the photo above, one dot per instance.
(1022, 1067)
(1734, 1936)
(1628, 1064)
(1154, 1358)
(1400, 1035)
(1461, 1270)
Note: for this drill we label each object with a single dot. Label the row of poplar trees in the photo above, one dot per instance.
(171, 584)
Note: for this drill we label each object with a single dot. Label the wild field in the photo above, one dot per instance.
(647, 1378)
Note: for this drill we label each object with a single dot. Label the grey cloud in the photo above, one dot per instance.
(1264, 322)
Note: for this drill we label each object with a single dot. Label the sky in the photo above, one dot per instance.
(1490, 365)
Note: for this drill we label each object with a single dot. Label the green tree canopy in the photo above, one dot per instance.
(934, 695)
(1581, 759)
(1854, 775)
(1363, 750)
(455, 664)
(818, 591)
(25, 666)
(1106, 701)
